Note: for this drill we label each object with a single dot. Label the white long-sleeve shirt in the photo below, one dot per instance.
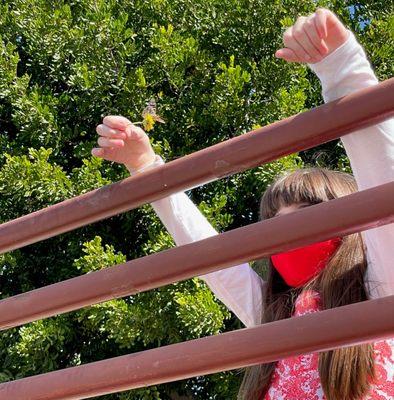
(371, 154)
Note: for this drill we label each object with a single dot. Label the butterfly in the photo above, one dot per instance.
(150, 110)
(150, 116)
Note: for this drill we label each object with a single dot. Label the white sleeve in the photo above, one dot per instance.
(238, 287)
(370, 150)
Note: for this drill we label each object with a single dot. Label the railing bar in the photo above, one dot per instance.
(359, 211)
(327, 122)
(349, 325)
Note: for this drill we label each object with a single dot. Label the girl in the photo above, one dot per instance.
(320, 276)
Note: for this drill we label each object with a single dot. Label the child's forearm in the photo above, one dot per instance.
(370, 150)
(344, 71)
(238, 287)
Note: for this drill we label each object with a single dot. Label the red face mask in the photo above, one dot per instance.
(298, 266)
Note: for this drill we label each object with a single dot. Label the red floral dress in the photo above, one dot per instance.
(297, 378)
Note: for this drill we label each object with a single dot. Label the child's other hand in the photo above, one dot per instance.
(123, 142)
(313, 38)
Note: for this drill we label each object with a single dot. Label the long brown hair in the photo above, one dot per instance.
(345, 373)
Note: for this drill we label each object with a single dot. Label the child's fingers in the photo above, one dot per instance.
(116, 122)
(321, 22)
(291, 43)
(107, 153)
(106, 142)
(313, 34)
(134, 132)
(104, 130)
(287, 55)
(300, 36)
(98, 152)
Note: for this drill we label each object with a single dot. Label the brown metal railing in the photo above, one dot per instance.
(327, 122)
(359, 211)
(342, 216)
(356, 323)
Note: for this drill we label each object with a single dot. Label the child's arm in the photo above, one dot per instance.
(370, 150)
(343, 70)
(239, 287)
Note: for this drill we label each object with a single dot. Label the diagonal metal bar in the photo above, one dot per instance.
(359, 211)
(348, 325)
(327, 122)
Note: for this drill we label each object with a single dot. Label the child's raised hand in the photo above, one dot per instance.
(313, 38)
(123, 142)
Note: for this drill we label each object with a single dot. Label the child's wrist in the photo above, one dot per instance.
(150, 162)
